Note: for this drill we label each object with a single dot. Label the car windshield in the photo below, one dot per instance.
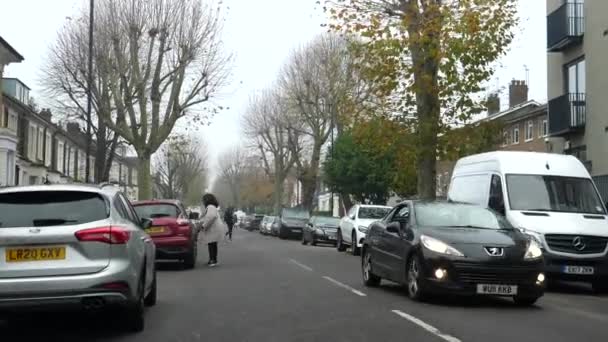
(156, 210)
(295, 214)
(373, 212)
(458, 215)
(553, 193)
(331, 221)
(50, 208)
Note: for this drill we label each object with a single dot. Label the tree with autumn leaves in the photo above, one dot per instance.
(429, 60)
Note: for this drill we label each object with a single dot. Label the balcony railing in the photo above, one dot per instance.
(565, 26)
(567, 114)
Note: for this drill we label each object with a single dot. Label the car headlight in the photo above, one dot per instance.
(363, 229)
(319, 231)
(534, 251)
(536, 237)
(439, 246)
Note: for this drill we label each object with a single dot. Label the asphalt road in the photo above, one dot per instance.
(266, 289)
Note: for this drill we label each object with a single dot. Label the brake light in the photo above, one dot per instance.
(111, 235)
(183, 222)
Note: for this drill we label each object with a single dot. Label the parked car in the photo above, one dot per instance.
(75, 246)
(355, 224)
(246, 222)
(275, 226)
(266, 225)
(255, 222)
(321, 229)
(173, 233)
(292, 222)
(551, 198)
(451, 248)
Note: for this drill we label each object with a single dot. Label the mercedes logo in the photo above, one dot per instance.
(578, 243)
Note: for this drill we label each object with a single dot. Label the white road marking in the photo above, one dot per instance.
(344, 286)
(301, 265)
(426, 326)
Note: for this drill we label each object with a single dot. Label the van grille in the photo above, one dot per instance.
(576, 244)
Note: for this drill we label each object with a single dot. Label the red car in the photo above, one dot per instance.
(172, 231)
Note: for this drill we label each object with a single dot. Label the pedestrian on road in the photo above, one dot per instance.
(213, 227)
(229, 219)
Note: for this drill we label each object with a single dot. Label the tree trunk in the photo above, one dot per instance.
(310, 178)
(278, 193)
(144, 178)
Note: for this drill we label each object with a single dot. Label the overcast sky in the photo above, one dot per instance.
(261, 34)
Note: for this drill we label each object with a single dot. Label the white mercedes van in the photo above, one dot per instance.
(552, 198)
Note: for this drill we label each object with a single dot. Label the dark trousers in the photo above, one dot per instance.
(212, 251)
(229, 233)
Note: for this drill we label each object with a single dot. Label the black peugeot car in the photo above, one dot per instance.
(321, 229)
(452, 248)
(292, 222)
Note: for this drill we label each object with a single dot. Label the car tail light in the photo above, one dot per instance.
(112, 235)
(183, 227)
(183, 222)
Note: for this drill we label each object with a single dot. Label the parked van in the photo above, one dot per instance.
(552, 198)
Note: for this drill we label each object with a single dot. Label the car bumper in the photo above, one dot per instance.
(174, 247)
(554, 267)
(463, 277)
(57, 291)
(326, 238)
(291, 231)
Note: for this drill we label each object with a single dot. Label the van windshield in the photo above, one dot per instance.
(553, 193)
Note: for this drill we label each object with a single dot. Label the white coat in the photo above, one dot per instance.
(214, 229)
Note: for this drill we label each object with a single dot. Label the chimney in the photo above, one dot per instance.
(73, 128)
(518, 93)
(46, 114)
(493, 104)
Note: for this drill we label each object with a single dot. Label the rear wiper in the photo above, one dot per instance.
(51, 222)
(159, 215)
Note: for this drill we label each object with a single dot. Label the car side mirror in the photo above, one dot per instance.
(193, 215)
(393, 227)
(146, 223)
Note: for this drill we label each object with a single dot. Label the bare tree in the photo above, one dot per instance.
(181, 165)
(324, 92)
(161, 60)
(232, 165)
(269, 136)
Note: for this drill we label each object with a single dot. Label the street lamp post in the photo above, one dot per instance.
(89, 85)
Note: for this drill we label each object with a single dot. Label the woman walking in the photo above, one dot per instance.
(213, 227)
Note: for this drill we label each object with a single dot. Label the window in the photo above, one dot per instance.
(545, 129)
(505, 138)
(530, 130)
(516, 135)
(50, 208)
(31, 142)
(401, 214)
(470, 189)
(40, 144)
(576, 78)
(12, 123)
(60, 167)
(133, 216)
(5, 117)
(373, 212)
(48, 149)
(162, 210)
(553, 193)
(497, 200)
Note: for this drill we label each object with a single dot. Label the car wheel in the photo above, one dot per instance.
(133, 316)
(282, 234)
(150, 299)
(190, 260)
(414, 286)
(339, 243)
(369, 278)
(304, 242)
(525, 301)
(313, 242)
(354, 249)
(600, 286)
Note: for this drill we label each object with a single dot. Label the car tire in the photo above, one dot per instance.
(340, 243)
(525, 300)
(304, 242)
(150, 299)
(313, 242)
(415, 289)
(133, 317)
(354, 249)
(369, 278)
(600, 286)
(282, 234)
(190, 260)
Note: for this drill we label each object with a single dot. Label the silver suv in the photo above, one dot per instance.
(75, 246)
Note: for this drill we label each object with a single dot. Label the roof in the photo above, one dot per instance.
(11, 49)
(519, 162)
(17, 80)
(530, 105)
(61, 187)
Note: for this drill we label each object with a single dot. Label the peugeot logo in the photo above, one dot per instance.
(494, 251)
(578, 243)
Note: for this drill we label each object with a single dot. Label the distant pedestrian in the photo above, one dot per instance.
(229, 219)
(213, 227)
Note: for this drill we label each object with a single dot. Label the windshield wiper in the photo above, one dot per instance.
(51, 222)
(472, 226)
(537, 209)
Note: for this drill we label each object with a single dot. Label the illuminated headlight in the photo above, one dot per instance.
(440, 273)
(439, 246)
(363, 229)
(533, 251)
(540, 278)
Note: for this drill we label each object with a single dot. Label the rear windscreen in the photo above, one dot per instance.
(50, 208)
(156, 210)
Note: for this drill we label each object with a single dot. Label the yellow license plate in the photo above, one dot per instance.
(23, 254)
(155, 230)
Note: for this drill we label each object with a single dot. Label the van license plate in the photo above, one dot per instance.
(587, 270)
(499, 290)
(23, 254)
